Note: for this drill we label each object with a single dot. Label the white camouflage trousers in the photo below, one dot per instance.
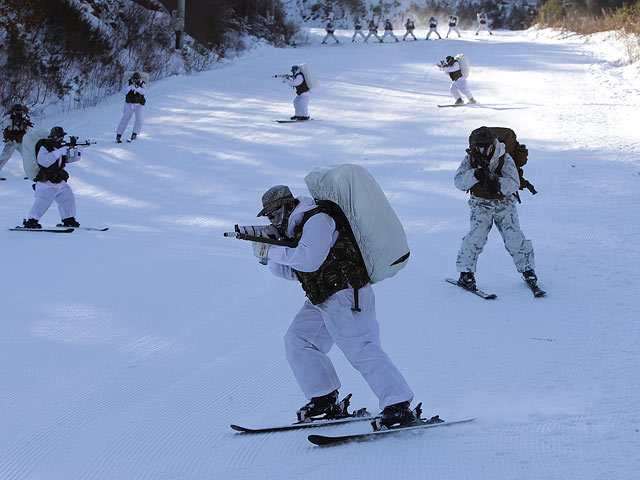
(128, 111)
(301, 104)
(316, 328)
(458, 87)
(455, 29)
(504, 213)
(46, 193)
(9, 147)
(355, 35)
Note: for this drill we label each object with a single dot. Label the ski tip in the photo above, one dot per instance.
(322, 440)
(238, 428)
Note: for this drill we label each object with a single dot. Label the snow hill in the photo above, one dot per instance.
(127, 354)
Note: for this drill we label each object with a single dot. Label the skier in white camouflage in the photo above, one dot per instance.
(489, 173)
(12, 135)
(340, 308)
(135, 91)
(451, 67)
(303, 94)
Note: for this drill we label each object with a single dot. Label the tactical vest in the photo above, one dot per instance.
(343, 266)
(54, 173)
(135, 97)
(455, 75)
(303, 87)
(478, 189)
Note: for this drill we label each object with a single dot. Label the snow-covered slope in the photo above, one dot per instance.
(127, 354)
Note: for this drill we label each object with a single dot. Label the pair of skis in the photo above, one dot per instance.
(357, 416)
(535, 289)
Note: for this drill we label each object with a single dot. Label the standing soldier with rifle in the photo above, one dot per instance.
(12, 135)
(297, 80)
(53, 155)
(340, 306)
(490, 174)
(135, 90)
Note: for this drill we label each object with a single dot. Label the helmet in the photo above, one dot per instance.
(483, 141)
(18, 108)
(295, 68)
(449, 60)
(274, 198)
(57, 132)
(136, 76)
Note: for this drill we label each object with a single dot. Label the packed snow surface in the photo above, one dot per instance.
(126, 354)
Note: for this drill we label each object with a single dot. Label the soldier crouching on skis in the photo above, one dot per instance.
(52, 156)
(490, 174)
(340, 309)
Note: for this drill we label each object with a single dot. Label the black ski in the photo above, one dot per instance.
(45, 229)
(480, 293)
(324, 440)
(293, 121)
(92, 229)
(339, 417)
(537, 291)
(299, 425)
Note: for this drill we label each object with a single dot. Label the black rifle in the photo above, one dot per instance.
(73, 142)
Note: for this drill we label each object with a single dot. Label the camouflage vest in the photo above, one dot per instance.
(343, 266)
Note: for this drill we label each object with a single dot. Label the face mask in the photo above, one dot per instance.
(486, 150)
(277, 217)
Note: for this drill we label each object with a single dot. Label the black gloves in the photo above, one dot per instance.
(491, 183)
(480, 174)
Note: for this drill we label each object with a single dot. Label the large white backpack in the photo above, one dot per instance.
(376, 227)
(29, 141)
(463, 61)
(310, 78)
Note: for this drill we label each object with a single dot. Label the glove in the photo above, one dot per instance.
(261, 250)
(480, 174)
(493, 185)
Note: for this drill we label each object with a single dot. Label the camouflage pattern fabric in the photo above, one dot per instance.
(504, 213)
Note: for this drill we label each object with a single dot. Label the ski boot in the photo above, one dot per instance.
(295, 117)
(118, 138)
(133, 137)
(31, 223)
(472, 101)
(467, 280)
(70, 222)
(303, 118)
(398, 414)
(459, 101)
(323, 405)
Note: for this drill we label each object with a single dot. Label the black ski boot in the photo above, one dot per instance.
(133, 137)
(303, 118)
(31, 223)
(399, 414)
(325, 404)
(467, 280)
(530, 277)
(70, 222)
(118, 138)
(295, 117)
(459, 101)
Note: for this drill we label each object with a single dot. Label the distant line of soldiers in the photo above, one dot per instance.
(409, 25)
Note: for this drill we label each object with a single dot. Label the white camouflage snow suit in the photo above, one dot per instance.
(316, 328)
(501, 210)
